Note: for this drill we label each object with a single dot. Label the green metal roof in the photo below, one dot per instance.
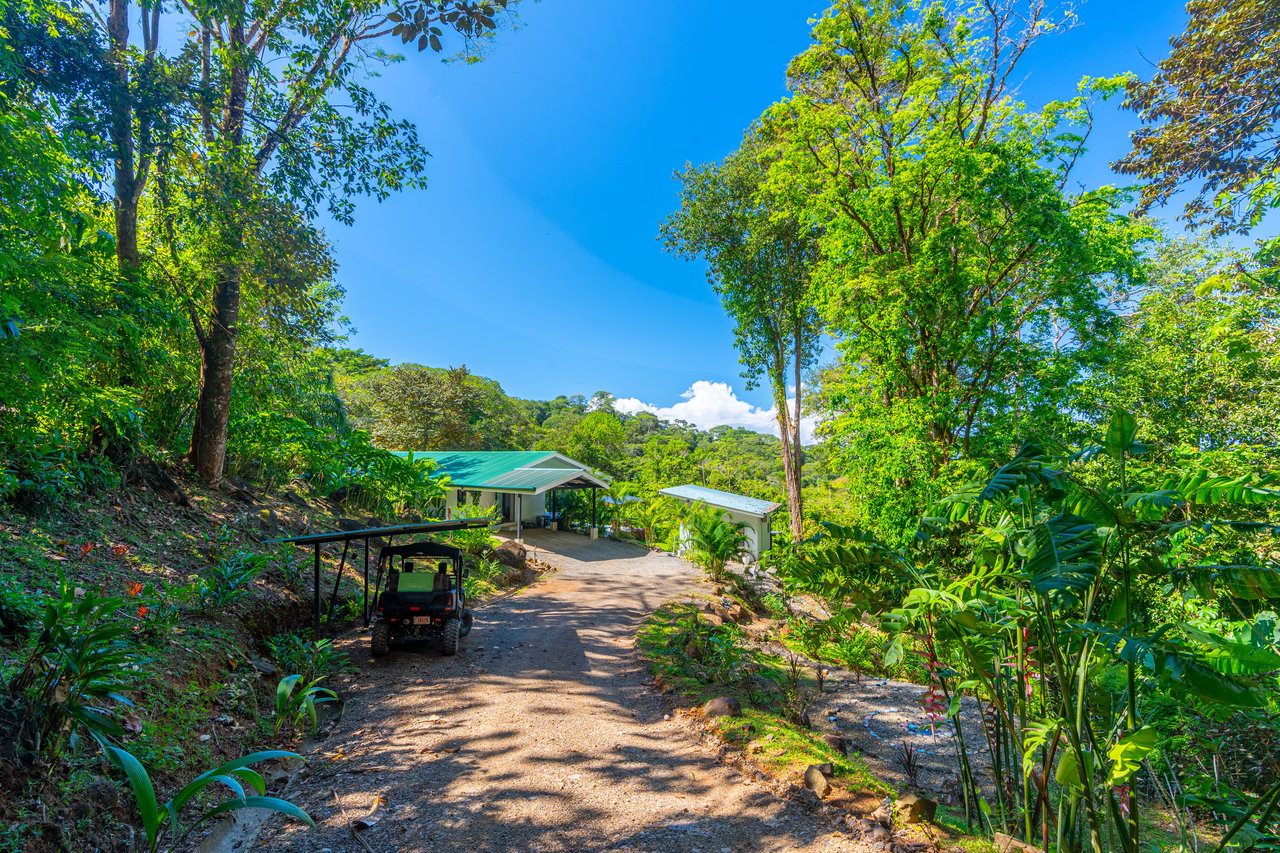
(722, 500)
(531, 471)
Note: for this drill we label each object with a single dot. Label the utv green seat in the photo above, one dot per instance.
(415, 582)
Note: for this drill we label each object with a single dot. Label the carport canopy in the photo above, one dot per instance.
(346, 537)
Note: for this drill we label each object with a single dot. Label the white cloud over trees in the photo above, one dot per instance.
(710, 404)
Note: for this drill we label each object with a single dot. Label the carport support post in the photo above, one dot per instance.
(366, 582)
(595, 529)
(316, 595)
(519, 517)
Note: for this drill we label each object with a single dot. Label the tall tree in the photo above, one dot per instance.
(1211, 114)
(953, 259)
(411, 407)
(248, 106)
(758, 261)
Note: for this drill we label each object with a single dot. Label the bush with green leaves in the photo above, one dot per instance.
(72, 677)
(162, 823)
(296, 701)
(481, 578)
(475, 542)
(1027, 586)
(276, 448)
(713, 540)
(313, 660)
(229, 579)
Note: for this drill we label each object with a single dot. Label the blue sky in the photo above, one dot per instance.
(531, 257)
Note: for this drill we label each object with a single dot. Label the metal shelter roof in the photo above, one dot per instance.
(723, 500)
(382, 532)
(346, 537)
(524, 471)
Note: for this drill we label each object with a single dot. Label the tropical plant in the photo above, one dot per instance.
(313, 660)
(714, 540)
(73, 675)
(161, 822)
(1058, 549)
(654, 515)
(620, 506)
(229, 579)
(475, 542)
(295, 704)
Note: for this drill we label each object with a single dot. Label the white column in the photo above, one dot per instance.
(519, 517)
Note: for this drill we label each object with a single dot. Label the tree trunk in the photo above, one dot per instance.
(217, 367)
(208, 452)
(792, 474)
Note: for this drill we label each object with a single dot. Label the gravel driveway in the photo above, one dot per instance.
(541, 735)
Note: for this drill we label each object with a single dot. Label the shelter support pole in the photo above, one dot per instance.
(366, 582)
(315, 597)
(519, 517)
(595, 528)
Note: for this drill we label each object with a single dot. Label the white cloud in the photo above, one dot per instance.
(710, 404)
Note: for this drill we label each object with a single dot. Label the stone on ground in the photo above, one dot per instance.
(723, 706)
(815, 780)
(511, 554)
(1008, 844)
(913, 809)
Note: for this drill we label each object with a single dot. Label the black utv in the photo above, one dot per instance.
(423, 597)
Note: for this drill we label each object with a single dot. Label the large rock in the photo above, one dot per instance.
(723, 706)
(815, 780)
(1008, 844)
(836, 742)
(512, 554)
(913, 809)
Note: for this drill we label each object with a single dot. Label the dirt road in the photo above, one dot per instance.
(541, 735)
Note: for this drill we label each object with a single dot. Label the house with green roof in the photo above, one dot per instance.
(518, 482)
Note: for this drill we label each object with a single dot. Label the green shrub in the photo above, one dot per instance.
(228, 581)
(314, 661)
(294, 704)
(476, 542)
(72, 676)
(161, 822)
(275, 449)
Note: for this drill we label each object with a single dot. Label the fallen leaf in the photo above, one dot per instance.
(374, 815)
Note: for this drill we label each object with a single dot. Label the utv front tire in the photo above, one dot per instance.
(449, 639)
(380, 639)
(467, 620)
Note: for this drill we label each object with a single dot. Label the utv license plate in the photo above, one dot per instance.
(422, 620)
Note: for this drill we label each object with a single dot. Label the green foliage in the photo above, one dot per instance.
(72, 676)
(950, 327)
(1022, 587)
(482, 578)
(474, 542)
(278, 448)
(312, 660)
(295, 704)
(712, 539)
(759, 258)
(410, 407)
(161, 822)
(229, 580)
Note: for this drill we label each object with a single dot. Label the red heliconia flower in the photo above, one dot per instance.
(134, 589)
(85, 549)
(119, 550)
(143, 610)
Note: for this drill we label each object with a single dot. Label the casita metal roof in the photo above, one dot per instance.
(525, 471)
(723, 500)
